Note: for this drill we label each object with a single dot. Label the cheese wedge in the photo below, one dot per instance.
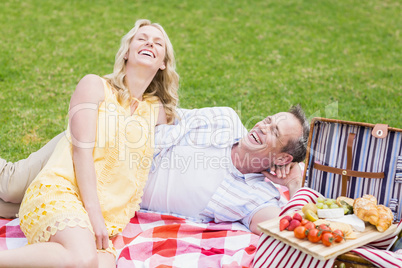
(331, 213)
(356, 223)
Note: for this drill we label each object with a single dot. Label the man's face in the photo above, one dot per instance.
(262, 147)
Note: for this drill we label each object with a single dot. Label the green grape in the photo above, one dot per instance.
(334, 206)
(320, 200)
(325, 206)
(319, 205)
(329, 202)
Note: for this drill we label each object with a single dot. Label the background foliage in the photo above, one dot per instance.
(338, 59)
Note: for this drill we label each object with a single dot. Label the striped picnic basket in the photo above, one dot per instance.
(352, 159)
(349, 159)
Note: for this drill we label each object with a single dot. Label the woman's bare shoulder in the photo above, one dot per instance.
(91, 88)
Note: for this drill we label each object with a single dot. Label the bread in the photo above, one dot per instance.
(347, 200)
(366, 208)
(346, 203)
(386, 217)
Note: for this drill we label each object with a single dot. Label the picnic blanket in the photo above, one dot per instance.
(155, 240)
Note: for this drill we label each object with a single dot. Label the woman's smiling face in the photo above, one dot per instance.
(147, 48)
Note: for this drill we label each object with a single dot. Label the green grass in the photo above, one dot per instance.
(338, 59)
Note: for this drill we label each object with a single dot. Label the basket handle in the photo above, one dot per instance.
(349, 158)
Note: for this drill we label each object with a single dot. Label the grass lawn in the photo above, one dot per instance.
(338, 59)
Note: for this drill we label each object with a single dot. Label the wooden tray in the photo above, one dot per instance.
(318, 250)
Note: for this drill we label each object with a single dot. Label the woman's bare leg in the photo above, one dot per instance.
(71, 247)
(106, 260)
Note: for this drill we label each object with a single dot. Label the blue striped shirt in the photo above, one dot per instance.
(192, 174)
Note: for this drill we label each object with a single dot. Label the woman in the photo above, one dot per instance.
(93, 182)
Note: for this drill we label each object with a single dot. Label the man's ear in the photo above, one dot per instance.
(283, 159)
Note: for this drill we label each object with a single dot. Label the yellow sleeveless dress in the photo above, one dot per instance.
(122, 155)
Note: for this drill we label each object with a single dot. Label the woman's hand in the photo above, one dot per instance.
(99, 227)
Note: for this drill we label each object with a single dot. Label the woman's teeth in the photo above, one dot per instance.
(147, 53)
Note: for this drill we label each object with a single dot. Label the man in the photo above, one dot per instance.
(205, 167)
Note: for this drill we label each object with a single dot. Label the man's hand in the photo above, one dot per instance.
(281, 171)
(293, 181)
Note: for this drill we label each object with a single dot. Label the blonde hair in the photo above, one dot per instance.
(164, 85)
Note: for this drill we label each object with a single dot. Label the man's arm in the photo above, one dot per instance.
(293, 182)
(262, 215)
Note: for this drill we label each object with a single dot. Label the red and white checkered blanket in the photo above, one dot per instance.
(154, 240)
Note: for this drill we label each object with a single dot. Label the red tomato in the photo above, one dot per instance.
(338, 235)
(309, 225)
(300, 232)
(314, 235)
(328, 239)
(324, 228)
